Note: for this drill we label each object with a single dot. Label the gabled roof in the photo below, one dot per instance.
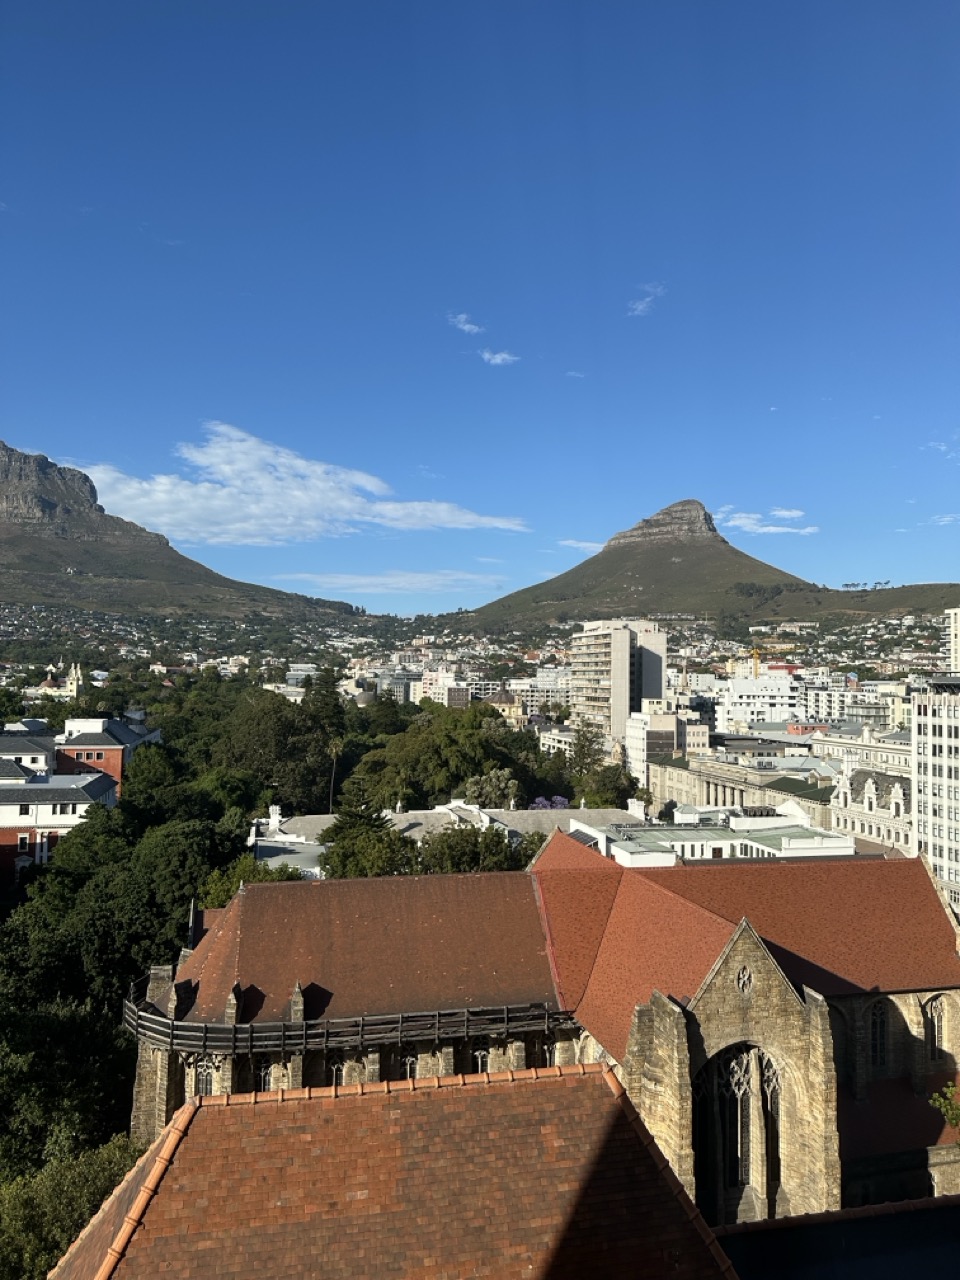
(533, 1174)
(837, 925)
(398, 944)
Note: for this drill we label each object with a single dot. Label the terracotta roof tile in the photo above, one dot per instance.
(534, 1174)
(358, 947)
(840, 925)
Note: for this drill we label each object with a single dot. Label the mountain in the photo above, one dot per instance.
(59, 546)
(676, 562)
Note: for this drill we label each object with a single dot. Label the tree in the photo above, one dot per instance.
(220, 886)
(42, 1214)
(586, 753)
(948, 1104)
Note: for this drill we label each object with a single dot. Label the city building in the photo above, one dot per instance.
(614, 666)
(936, 780)
(953, 640)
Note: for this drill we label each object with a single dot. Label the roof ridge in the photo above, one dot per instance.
(176, 1131)
(677, 1188)
(682, 896)
(418, 1084)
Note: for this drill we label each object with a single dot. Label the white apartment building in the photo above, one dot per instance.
(936, 779)
(614, 665)
(764, 700)
(953, 640)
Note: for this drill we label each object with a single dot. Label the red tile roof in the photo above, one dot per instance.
(400, 944)
(543, 1175)
(838, 925)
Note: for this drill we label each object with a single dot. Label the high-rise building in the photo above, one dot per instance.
(953, 640)
(615, 664)
(936, 779)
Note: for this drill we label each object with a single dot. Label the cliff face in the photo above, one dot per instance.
(58, 502)
(686, 521)
(59, 546)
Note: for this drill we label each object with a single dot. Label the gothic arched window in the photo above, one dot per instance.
(204, 1077)
(263, 1075)
(335, 1066)
(878, 1034)
(933, 1027)
(480, 1053)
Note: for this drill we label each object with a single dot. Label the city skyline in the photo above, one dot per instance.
(418, 313)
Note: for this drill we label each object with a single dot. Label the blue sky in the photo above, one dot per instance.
(413, 304)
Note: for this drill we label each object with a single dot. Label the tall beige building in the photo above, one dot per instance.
(615, 664)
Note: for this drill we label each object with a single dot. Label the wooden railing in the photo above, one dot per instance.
(507, 1022)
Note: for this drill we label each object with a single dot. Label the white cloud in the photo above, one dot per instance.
(787, 513)
(754, 522)
(497, 357)
(580, 546)
(951, 519)
(722, 511)
(395, 581)
(251, 492)
(463, 322)
(572, 373)
(642, 306)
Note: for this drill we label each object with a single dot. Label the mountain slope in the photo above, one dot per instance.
(58, 546)
(676, 562)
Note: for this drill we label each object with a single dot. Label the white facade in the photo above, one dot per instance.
(936, 780)
(767, 699)
(953, 640)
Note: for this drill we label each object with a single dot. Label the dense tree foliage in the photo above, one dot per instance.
(115, 898)
(42, 1213)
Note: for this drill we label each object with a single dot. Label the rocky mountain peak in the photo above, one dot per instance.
(34, 490)
(686, 521)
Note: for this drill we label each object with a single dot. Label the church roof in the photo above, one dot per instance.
(837, 925)
(529, 1174)
(398, 944)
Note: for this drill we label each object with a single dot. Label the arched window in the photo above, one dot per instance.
(933, 1028)
(480, 1053)
(263, 1075)
(335, 1067)
(205, 1075)
(878, 1034)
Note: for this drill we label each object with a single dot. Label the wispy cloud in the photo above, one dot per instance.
(488, 559)
(497, 357)
(580, 546)
(643, 305)
(395, 581)
(948, 449)
(463, 322)
(572, 373)
(250, 492)
(950, 519)
(754, 522)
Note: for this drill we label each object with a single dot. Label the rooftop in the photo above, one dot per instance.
(541, 1174)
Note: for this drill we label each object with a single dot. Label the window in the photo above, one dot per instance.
(878, 1034)
(99, 755)
(24, 810)
(263, 1075)
(933, 1028)
(335, 1069)
(23, 844)
(204, 1077)
(480, 1053)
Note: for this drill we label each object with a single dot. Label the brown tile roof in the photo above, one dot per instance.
(543, 1175)
(838, 925)
(400, 944)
